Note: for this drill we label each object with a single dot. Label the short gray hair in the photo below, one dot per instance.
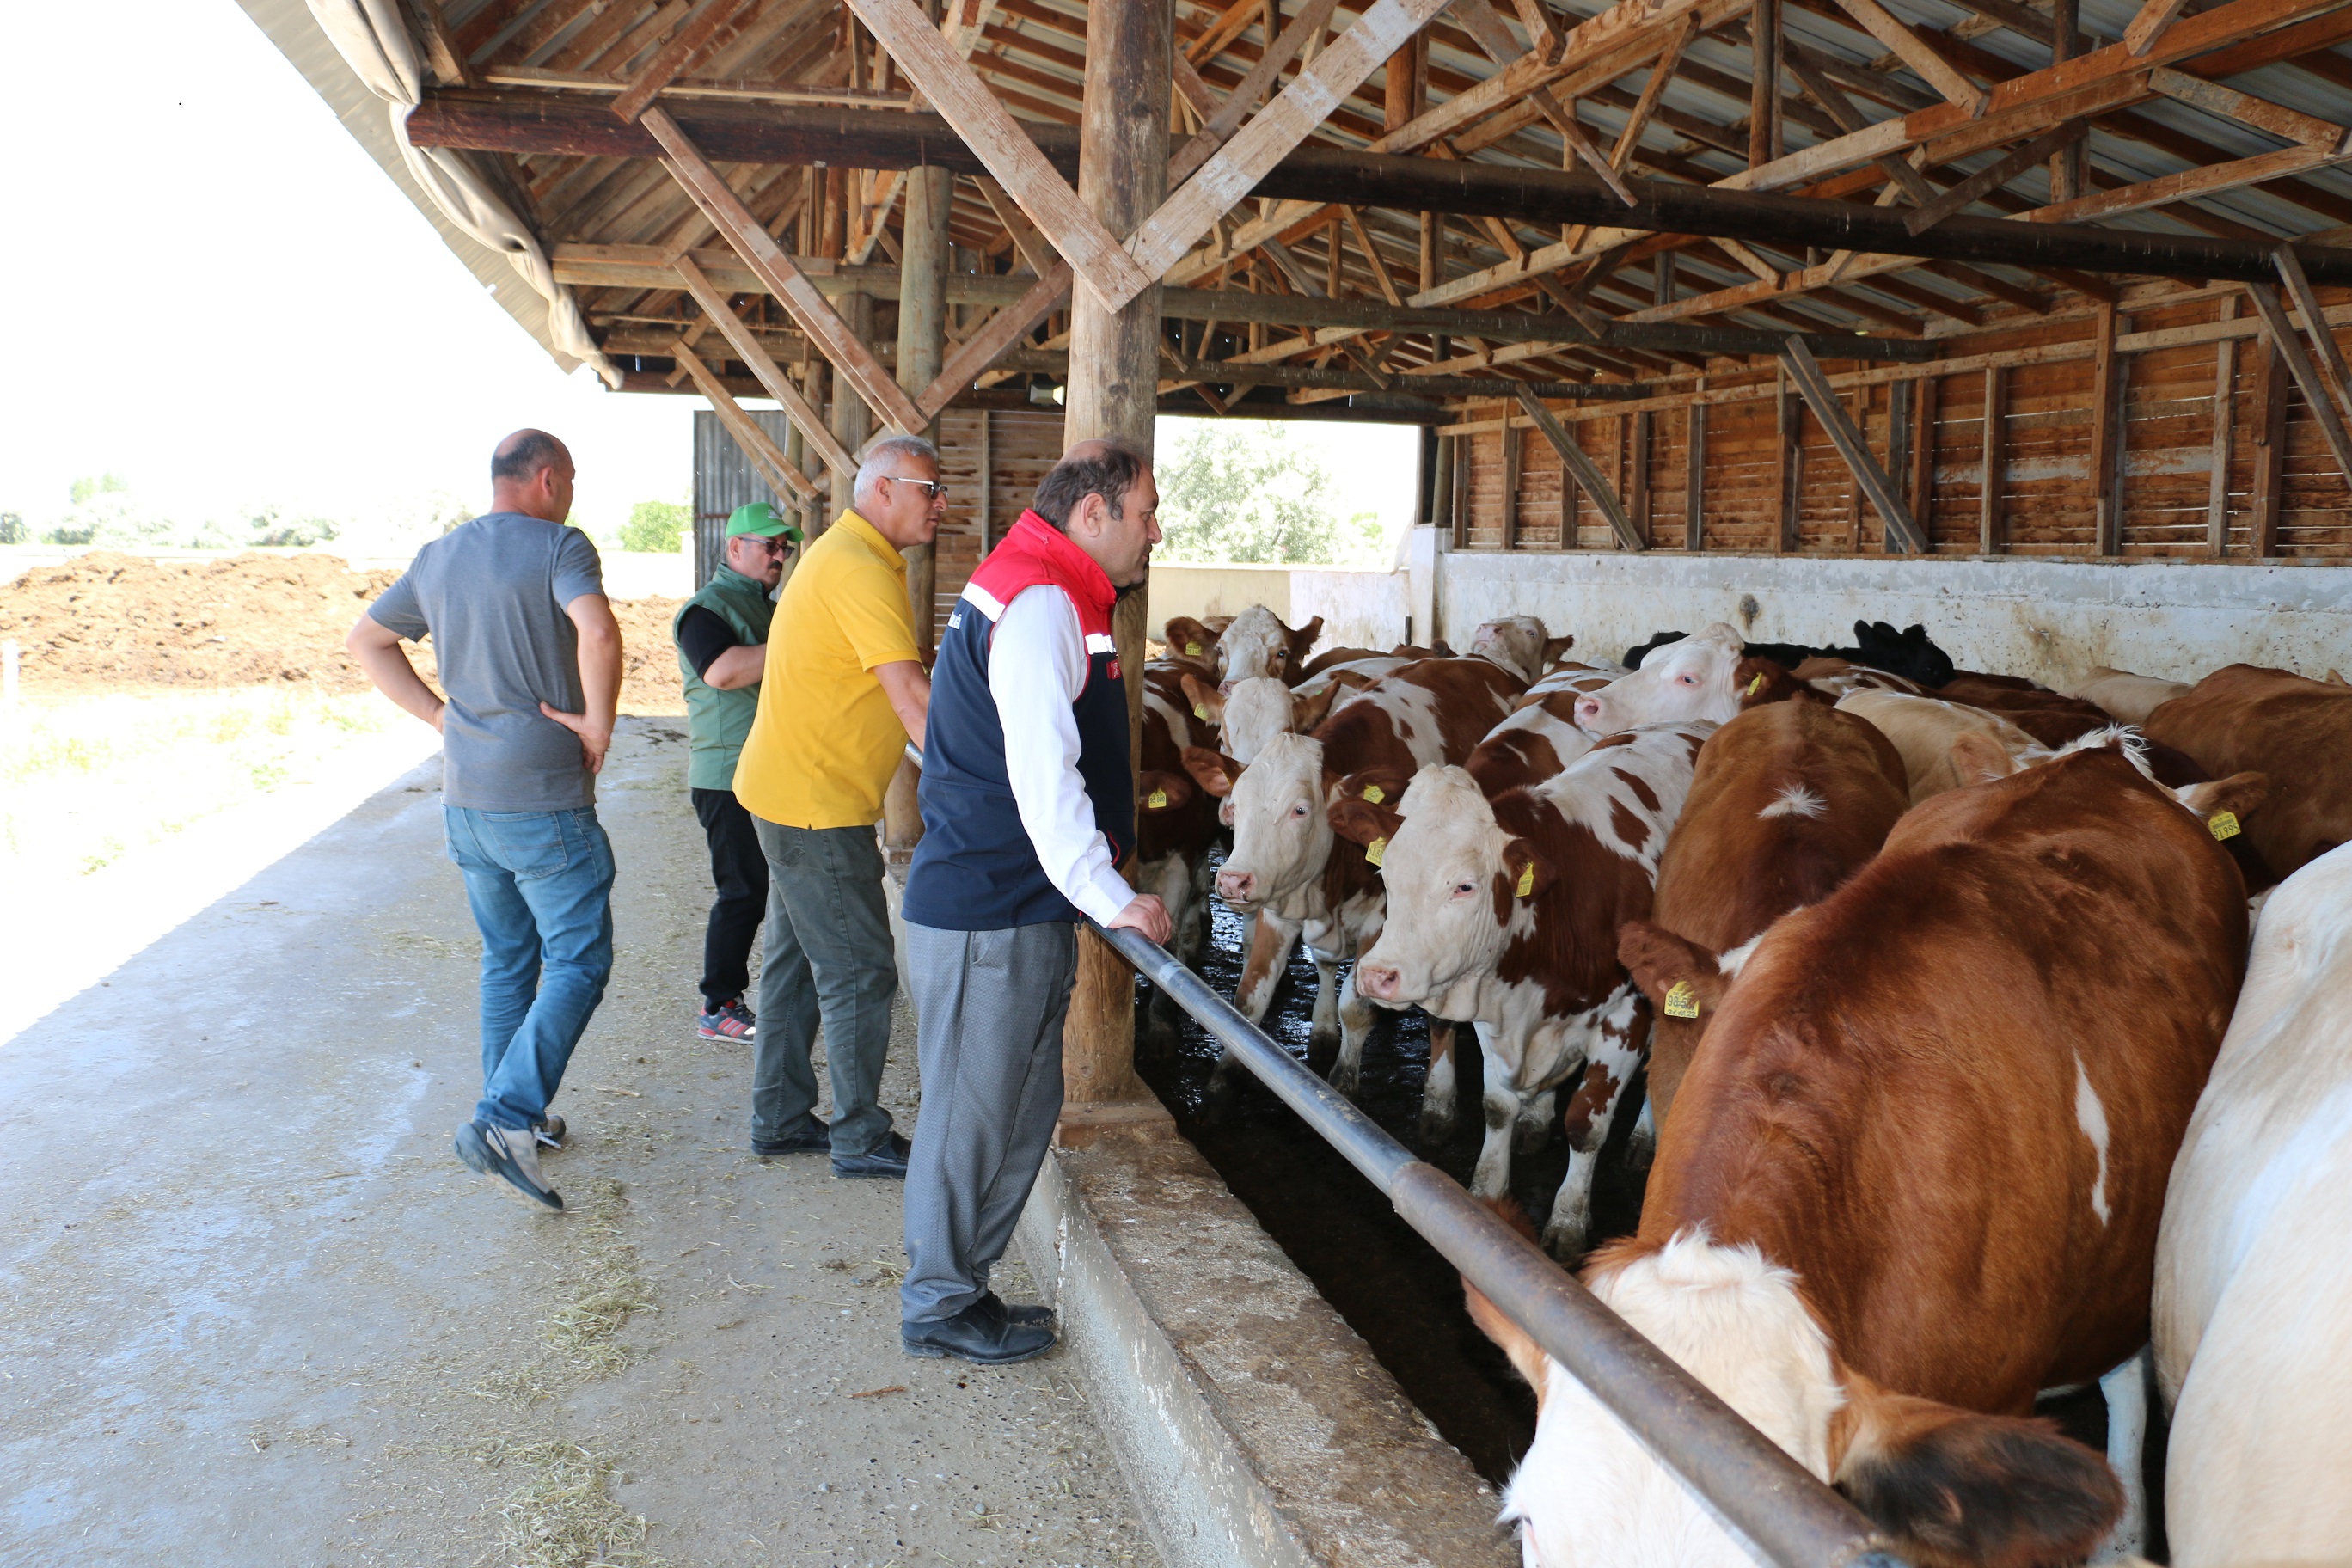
(882, 458)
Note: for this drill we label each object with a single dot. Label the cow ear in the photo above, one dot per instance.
(1213, 770)
(1977, 758)
(1303, 638)
(1307, 711)
(1156, 789)
(1952, 1486)
(1555, 646)
(1360, 822)
(1217, 623)
(1668, 967)
(1384, 787)
(2223, 801)
(1760, 680)
(1528, 872)
(1208, 703)
(1527, 1357)
(1188, 638)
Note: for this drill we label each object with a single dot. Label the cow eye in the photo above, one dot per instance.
(1464, 890)
(1687, 680)
(1298, 810)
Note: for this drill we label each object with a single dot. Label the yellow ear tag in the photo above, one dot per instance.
(1526, 879)
(1192, 650)
(2223, 824)
(1157, 800)
(1755, 684)
(1374, 850)
(1201, 711)
(1682, 1002)
(1374, 794)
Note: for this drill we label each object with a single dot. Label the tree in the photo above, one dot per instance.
(655, 525)
(1248, 492)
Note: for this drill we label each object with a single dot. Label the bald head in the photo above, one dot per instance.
(531, 473)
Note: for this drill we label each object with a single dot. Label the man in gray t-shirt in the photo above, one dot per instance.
(530, 660)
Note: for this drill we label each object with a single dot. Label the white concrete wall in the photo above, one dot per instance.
(1204, 591)
(1360, 609)
(2046, 620)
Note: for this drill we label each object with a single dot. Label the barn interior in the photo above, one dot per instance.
(1884, 307)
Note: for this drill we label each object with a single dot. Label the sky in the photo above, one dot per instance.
(359, 370)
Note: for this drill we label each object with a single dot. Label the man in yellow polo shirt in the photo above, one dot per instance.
(841, 694)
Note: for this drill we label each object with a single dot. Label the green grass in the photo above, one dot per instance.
(88, 780)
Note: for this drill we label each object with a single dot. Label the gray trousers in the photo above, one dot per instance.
(828, 956)
(989, 1008)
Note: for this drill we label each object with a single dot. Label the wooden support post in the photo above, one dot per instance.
(1510, 487)
(1695, 477)
(1854, 485)
(2225, 437)
(1902, 532)
(2066, 165)
(983, 504)
(1899, 395)
(1582, 469)
(1764, 83)
(1921, 491)
(1114, 391)
(1789, 462)
(1637, 483)
(922, 344)
(2269, 430)
(852, 421)
(1993, 536)
(2106, 439)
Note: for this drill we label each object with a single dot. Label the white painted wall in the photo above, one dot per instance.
(2046, 620)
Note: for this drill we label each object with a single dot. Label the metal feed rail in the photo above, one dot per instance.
(1745, 1478)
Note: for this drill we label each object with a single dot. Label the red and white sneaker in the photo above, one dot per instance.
(727, 1021)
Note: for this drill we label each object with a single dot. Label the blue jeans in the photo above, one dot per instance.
(541, 884)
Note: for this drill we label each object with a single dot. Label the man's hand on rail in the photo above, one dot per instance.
(1146, 914)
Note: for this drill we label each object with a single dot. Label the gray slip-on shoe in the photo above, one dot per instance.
(510, 1154)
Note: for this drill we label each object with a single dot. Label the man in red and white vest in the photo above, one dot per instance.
(1028, 801)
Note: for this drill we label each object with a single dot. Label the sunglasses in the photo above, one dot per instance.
(937, 487)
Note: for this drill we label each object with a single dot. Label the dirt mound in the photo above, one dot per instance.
(105, 622)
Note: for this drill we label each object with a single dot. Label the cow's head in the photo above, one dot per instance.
(1517, 643)
(1948, 1485)
(1455, 880)
(1687, 680)
(1258, 644)
(1757, 681)
(1282, 832)
(1256, 710)
(1189, 638)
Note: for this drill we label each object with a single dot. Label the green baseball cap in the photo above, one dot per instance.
(759, 518)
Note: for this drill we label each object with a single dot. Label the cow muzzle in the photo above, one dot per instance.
(1238, 887)
(1588, 711)
(1379, 981)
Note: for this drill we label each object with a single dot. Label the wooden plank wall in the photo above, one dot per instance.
(1019, 447)
(2043, 496)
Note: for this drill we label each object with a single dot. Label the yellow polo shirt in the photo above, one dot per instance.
(826, 740)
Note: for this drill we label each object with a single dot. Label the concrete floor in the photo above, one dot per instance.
(253, 1310)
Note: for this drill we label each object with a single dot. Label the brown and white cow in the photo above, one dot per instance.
(1535, 742)
(1175, 820)
(2126, 697)
(2297, 732)
(1286, 865)
(1923, 729)
(1257, 643)
(1788, 801)
(1914, 1176)
(1569, 676)
(1689, 678)
(1249, 714)
(1520, 644)
(1505, 911)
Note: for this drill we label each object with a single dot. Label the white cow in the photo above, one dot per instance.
(2253, 1266)
(1692, 678)
(1520, 644)
(1257, 643)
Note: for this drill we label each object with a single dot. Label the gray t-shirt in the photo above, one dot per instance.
(492, 594)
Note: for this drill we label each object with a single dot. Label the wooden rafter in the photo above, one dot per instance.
(764, 452)
(1218, 126)
(1479, 18)
(1805, 372)
(963, 26)
(763, 368)
(854, 361)
(674, 55)
(1588, 473)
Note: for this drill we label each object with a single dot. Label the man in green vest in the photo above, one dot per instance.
(722, 634)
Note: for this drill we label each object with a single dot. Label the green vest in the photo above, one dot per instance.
(718, 720)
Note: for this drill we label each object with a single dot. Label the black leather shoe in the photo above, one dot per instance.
(977, 1336)
(818, 1140)
(888, 1160)
(997, 1307)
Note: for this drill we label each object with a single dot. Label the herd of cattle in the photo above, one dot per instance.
(1960, 1070)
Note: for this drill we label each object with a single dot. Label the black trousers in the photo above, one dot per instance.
(740, 871)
